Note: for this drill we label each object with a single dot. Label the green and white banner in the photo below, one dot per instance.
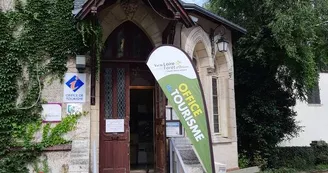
(179, 81)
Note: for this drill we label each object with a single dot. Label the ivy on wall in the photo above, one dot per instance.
(92, 38)
(36, 38)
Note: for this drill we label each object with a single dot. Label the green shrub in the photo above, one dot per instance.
(243, 161)
(280, 170)
(320, 149)
(300, 158)
(321, 167)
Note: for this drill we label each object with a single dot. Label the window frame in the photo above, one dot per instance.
(313, 97)
(217, 130)
(128, 30)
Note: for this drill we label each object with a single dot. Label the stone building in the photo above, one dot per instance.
(125, 88)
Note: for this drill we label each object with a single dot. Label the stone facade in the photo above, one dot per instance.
(6, 5)
(197, 43)
(77, 159)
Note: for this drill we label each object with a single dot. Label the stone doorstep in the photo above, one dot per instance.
(142, 171)
(246, 170)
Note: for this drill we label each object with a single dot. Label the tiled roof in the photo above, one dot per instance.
(187, 6)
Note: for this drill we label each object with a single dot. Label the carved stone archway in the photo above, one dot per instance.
(133, 11)
(195, 36)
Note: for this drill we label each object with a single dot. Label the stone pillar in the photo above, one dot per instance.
(80, 157)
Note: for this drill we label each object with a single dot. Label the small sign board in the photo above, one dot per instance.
(74, 87)
(52, 112)
(73, 108)
(171, 114)
(173, 129)
(114, 125)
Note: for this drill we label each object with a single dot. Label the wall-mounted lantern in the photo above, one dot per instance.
(222, 45)
(80, 63)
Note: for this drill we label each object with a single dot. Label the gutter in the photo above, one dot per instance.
(195, 8)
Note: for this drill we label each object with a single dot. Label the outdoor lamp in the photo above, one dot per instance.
(222, 45)
(80, 63)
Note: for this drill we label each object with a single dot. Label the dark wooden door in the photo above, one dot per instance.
(160, 136)
(114, 93)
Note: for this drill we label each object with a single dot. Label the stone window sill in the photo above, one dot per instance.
(217, 139)
(64, 147)
(314, 105)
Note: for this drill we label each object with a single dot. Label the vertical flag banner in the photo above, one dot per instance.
(179, 81)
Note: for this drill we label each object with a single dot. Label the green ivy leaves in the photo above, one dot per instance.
(35, 41)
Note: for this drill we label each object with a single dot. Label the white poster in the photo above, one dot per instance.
(74, 108)
(174, 115)
(114, 125)
(74, 87)
(51, 112)
(168, 113)
(173, 129)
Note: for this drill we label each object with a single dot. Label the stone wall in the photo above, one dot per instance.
(78, 158)
(196, 42)
(57, 161)
(110, 18)
(6, 5)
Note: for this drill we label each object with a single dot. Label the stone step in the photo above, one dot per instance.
(195, 168)
(184, 147)
(189, 157)
(179, 141)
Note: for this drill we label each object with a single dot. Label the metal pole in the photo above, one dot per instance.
(94, 158)
(171, 156)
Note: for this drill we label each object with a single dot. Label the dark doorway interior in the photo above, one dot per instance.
(142, 129)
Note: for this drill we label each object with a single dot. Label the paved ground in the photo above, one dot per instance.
(247, 170)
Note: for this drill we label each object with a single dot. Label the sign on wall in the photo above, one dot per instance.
(52, 112)
(173, 125)
(74, 87)
(173, 129)
(73, 108)
(179, 81)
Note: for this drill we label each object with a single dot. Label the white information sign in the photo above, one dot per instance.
(52, 112)
(74, 87)
(173, 129)
(114, 125)
(74, 108)
(174, 115)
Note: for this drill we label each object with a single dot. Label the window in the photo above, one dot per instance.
(314, 95)
(127, 42)
(215, 105)
(323, 68)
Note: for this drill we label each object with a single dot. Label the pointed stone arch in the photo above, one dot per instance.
(113, 16)
(124, 43)
(198, 39)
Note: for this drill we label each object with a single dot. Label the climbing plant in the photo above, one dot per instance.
(36, 39)
(91, 33)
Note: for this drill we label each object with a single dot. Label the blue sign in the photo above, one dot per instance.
(74, 83)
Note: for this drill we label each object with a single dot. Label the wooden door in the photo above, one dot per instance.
(114, 93)
(160, 136)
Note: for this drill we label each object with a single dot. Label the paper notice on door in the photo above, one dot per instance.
(114, 125)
